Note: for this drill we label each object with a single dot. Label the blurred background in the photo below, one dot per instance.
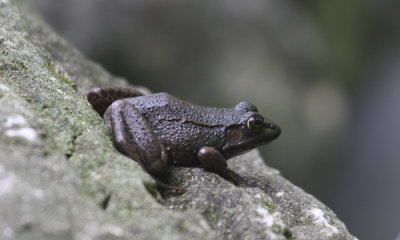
(328, 72)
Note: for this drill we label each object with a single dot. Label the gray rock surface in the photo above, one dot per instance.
(61, 178)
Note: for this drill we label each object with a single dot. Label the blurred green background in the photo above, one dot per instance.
(328, 72)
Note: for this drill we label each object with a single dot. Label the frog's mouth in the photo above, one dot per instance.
(240, 139)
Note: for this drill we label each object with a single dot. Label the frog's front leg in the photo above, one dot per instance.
(212, 159)
(133, 136)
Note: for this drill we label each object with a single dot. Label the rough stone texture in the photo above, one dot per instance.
(60, 177)
(263, 206)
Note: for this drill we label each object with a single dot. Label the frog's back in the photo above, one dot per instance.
(167, 106)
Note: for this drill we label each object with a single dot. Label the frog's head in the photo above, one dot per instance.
(252, 131)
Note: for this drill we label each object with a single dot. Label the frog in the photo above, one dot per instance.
(159, 130)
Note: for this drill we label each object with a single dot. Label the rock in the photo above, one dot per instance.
(61, 178)
(264, 205)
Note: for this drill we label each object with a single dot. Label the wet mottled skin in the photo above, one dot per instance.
(159, 129)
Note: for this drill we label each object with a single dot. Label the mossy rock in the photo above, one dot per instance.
(61, 178)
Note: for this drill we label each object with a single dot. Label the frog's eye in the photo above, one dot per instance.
(255, 122)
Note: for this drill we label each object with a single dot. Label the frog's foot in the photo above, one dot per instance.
(133, 136)
(102, 98)
(234, 178)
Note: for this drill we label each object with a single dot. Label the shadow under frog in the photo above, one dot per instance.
(157, 130)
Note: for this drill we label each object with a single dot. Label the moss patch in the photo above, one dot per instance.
(72, 84)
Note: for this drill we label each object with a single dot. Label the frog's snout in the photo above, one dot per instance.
(274, 128)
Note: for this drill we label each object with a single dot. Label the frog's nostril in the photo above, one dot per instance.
(275, 128)
(271, 126)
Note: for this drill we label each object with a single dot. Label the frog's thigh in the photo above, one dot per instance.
(212, 159)
(133, 136)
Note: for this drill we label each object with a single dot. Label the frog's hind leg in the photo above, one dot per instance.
(102, 98)
(133, 136)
